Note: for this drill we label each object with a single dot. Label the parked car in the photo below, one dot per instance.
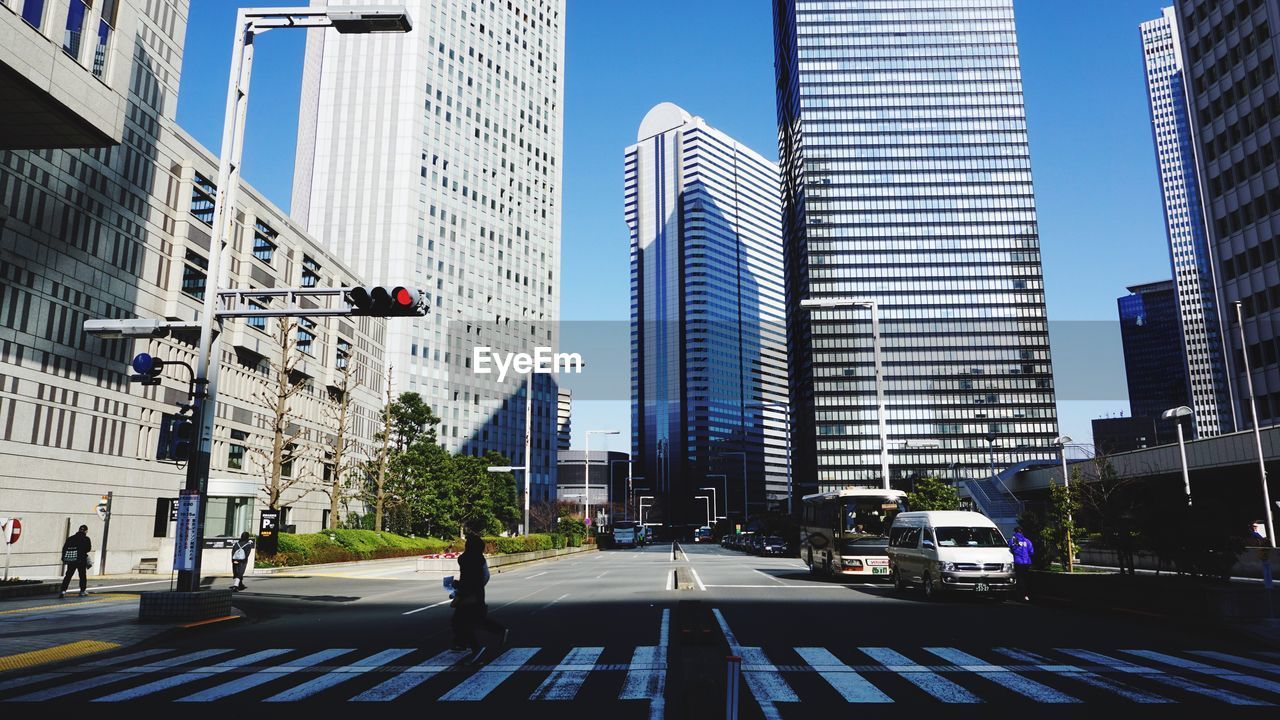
(944, 551)
(773, 545)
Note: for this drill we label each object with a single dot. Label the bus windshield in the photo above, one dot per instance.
(868, 518)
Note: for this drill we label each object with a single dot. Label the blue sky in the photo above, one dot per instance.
(1101, 226)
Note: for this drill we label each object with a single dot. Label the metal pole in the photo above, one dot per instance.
(528, 438)
(586, 482)
(626, 506)
(790, 493)
(1257, 432)
(1186, 477)
(745, 506)
(106, 532)
(884, 428)
(733, 665)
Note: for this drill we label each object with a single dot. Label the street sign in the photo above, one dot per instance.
(268, 536)
(14, 531)
(185, 539)
(588, 521)
(102, 507)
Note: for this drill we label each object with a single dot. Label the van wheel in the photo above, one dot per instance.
(899, 584)
(930, 590)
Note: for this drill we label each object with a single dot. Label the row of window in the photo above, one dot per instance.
(1212, 33)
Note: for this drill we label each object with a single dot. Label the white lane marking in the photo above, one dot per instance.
(96, 588)
(852, 687)
(530, 577)
(99, 680)
(427, 607)
(1088, 678)
(1198, 667)
(32, 679)
(724, 628)
(264, 676)
(490, 676)
(1176, 681)
(665, 628)
(184, 678)
(1003, 677)
(413, 677)
(697, 579)
(606, 572)
(922, 677)
(647, 679)
(564, 682)
(671, 580)
(763, 679)
(776, 580)
(340, 675)
(1237, 660)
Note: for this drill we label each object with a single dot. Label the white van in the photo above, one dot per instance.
(949, 550)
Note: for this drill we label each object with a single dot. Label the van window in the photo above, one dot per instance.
(969, 537)
(907, 537)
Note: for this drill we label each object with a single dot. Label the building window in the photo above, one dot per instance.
(77, 10)
(344, 354)
(264, 245)
(203, 193)
(310, 272)
(235, 457)
(306, 334)
(194, 272)
(228, 516)
(33, 13)
(106, 27)
(259, 321)
(286, 461)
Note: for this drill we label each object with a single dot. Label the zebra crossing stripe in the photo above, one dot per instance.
(184, 678)
(1086, 677)
(564, 682)
(340, 675)
(263, 677)
(647, 679)
(108, 662)
(762, 677)
(922, 677)
(100, 680)
(1181, 683)
(1198, 667)
(852, 687)
(490, 676)
(413, 677)
(1003, 677)
(1237, 660)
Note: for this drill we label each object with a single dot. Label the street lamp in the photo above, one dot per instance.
(586, 470)
(874, 306)
(725, 480)
(1062, 442)
(715, 507)
(642, 498)
(1257, 432)
(708, 501)
(1176, 415)
(249, 23)
(786, 409)
(744, 485)
(631, 492)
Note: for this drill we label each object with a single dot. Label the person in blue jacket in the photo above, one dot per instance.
(1022, 550)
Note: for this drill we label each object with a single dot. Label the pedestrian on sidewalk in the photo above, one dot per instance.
(240, 550)
(469, 609)
(76, 555)
(1022, 550)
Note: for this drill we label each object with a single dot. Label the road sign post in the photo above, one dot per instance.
(12, 530)
(104, 512)
(186, 543)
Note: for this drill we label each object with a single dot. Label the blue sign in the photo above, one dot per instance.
(142, 363)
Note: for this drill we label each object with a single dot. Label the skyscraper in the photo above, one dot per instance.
(1151, 333)
(1189, 252)
(433, 160)
(906, 180)
(1230, 50)
(708, 359)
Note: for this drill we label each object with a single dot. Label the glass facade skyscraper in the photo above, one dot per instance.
(708, 347)
(1151, 333)
(1189, 253)
(907, 181)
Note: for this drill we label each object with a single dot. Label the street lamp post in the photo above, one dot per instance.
(249, 23)
(1257, 432)
(586, 470)
(715, 505)
(745, 507)
(874, 306)
(642, 498)
(708, 501)
(1176, 415)
(1062, 443)
(725, 480)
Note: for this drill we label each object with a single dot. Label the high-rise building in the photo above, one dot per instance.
(1189, 252)
(1230, 51)
(564, 419)
(1151, 334)
(708, 358)
(433, 160)
(906, 180)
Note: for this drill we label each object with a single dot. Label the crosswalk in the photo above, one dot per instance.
(775, 678)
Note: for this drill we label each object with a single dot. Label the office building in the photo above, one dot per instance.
(708, 356)
(906, 180)
(1229, 50)
(564, 419)
(433, 160)
(1189, 253)
(1151, 334)
(608, 487)
(122, 231)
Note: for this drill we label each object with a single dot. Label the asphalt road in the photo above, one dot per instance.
(606, 634)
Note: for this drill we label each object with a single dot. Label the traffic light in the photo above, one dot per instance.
(177, 436)
(147, 369)
(383, 302)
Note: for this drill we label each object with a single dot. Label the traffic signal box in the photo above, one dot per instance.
(386, 302)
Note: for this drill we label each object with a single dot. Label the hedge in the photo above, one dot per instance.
(332, 546)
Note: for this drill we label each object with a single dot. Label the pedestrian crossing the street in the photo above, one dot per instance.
(777, 679)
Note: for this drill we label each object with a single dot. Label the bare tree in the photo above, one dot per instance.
(280, 386)
(378, 471)
(343, 458)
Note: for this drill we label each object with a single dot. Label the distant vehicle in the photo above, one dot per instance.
(745, 540)
(949, 550)
(627, 533)
(773, 545)
(847, 532)
(702, 534)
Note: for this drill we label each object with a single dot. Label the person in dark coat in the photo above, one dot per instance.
(75, 553)
(240, 551)
(469, 609)
(1022, 550)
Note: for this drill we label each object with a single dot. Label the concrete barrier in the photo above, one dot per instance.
(1248, 564)
(447, 565)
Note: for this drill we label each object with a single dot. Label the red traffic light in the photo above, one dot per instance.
(383, 302)
(404, 297)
